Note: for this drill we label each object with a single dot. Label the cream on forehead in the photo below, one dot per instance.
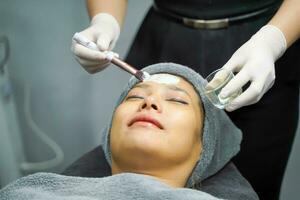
(163, 79)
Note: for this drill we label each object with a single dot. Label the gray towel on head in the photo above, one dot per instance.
(221, 138)
(48, 186)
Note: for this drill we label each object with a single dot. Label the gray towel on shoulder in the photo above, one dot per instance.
(49, 186)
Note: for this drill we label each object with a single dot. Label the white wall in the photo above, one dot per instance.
(69, 104)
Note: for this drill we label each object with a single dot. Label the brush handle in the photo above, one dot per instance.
(120, 63)
(110, 56)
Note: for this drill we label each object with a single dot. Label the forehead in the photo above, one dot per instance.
(163, 79)
(168, 81)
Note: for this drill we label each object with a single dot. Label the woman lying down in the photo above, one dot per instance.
(164, 140)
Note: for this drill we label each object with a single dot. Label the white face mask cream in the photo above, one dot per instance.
(163, 79)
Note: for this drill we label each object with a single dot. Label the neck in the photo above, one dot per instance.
(173, 176)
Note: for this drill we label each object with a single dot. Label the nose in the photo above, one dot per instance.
(150, 103)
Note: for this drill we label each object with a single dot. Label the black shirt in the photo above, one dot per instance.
(213, 9)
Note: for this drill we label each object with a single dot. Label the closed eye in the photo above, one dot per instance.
(134, 97)
(178, 101)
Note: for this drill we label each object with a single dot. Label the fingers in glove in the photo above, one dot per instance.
(86, 53)
(103, 41)
(88, 63)
(235, 63)
(98, 68)
(92, 66)
(235, 84)
(252, 95)
(218, 79)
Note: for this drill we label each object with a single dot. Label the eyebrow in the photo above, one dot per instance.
(171, 87)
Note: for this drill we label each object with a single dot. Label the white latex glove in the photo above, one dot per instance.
(254, 62)
(104, 30)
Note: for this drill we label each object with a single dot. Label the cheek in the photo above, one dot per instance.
(119, 124)
(119, 119)
(121, 116)
(184, 136)
(184, 128)
(181, 120)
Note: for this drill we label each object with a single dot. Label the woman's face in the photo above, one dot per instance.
(158, 123)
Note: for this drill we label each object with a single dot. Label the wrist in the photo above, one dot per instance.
(273, 37)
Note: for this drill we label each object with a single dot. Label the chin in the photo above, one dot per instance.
(145, 136)
(146, 142)
(143, 142)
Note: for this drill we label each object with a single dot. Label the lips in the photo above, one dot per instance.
(145, 118)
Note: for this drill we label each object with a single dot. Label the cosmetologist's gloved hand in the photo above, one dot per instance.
(254, 62)
(104, 30)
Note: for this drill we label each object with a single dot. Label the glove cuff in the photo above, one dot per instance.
(274, 38)
(107, 19)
